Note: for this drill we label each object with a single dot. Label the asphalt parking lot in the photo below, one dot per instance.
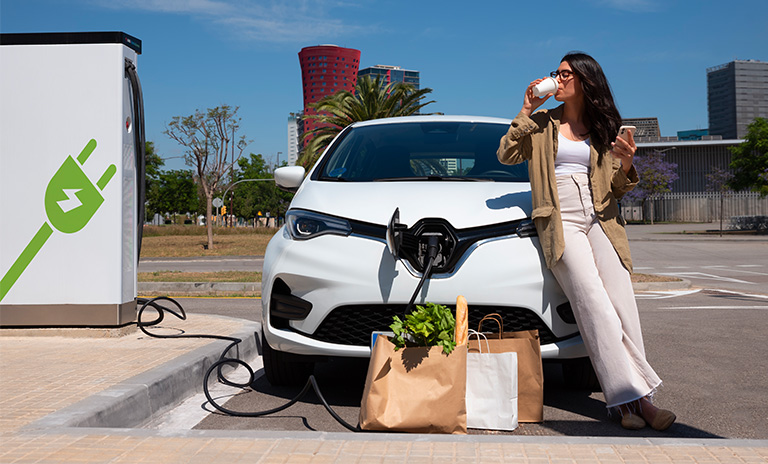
(706, 343)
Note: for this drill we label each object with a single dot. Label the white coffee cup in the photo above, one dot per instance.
(548, 85)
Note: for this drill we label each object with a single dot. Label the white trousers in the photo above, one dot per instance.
(603, 302)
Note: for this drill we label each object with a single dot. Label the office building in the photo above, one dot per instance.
(392, 74)
(647, 128)
(295, 125)
(694, 158)
(325, 70)
(737, 93)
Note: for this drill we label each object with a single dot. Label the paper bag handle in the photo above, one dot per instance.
(478, 335)
(495, 317)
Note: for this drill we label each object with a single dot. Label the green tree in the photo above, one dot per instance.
(250, 198)
(212, 149)
(153, 164)
(750, 159)
(372, 99)
(178, 192)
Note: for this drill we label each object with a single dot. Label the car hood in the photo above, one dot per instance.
(463, 204)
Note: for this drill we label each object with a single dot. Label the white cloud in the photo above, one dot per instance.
(299, 21)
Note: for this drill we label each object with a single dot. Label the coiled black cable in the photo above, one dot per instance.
(223, 361)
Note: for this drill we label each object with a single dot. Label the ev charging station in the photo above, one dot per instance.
(71, 132)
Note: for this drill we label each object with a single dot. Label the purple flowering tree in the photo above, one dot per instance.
(656, 177)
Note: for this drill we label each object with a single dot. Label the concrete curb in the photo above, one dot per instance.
(135, 400)
(682, 284)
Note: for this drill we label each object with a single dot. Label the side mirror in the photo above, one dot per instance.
(289, 178)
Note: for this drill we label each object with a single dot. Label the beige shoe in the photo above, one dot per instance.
(632, 421)
(663, 420)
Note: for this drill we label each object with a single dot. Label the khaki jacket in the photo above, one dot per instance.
(535, 139)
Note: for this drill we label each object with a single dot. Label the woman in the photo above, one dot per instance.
(579, 167)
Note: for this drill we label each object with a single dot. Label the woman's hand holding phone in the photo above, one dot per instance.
(624, 147)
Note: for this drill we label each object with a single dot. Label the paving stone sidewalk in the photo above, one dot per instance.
(49, 374)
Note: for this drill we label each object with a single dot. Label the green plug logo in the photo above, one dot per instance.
(71, 200)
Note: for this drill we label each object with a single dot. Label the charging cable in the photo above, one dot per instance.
(224, 361)
(433, 248)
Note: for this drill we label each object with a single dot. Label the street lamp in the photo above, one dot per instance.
(277, 159)
(240, 182)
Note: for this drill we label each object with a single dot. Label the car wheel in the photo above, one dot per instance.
(579, 374)
(284, 369)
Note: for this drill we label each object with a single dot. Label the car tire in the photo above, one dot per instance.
(284, 369)
(580, 375)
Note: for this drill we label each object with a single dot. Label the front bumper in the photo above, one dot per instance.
(335, 273)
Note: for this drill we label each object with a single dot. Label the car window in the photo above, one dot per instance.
(419, 151)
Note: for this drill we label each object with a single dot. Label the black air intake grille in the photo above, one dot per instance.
(353, 324)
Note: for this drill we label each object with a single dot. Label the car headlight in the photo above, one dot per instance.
(303, 225)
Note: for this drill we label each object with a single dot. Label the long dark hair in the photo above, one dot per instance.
(602, 116)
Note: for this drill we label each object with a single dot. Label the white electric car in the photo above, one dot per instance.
(399, 205)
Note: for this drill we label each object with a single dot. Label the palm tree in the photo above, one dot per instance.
(372, 100)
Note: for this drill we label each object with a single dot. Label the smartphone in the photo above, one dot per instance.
(624, 132)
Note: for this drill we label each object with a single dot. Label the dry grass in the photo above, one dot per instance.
(185, 246)
(219, 276)
(166, 230)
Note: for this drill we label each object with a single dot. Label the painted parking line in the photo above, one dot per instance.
(749, 295)
(703, 276)
(725, 307)
(661, 295)
(730, 269)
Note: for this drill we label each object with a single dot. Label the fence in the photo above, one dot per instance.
(697, 207)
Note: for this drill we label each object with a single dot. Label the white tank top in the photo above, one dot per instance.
(572, 157)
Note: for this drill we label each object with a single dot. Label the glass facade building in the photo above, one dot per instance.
(392, 74)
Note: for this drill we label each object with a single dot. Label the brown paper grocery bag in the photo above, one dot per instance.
(415, 389)
(530, 375)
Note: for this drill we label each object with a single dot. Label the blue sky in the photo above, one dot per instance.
(478, 57)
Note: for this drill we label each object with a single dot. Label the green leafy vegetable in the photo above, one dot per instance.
(430, 325)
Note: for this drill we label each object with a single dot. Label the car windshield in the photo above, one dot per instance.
(412, 151)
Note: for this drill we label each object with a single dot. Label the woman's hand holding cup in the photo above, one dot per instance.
(537, 93)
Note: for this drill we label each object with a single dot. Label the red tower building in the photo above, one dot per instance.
(326, 69)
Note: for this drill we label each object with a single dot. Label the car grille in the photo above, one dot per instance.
(353, 324)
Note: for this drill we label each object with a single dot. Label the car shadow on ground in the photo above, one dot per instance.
(567, 411)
